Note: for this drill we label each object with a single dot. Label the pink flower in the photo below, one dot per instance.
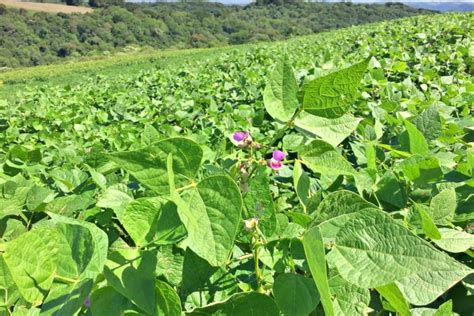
(275, 164)
(242, 138)
(278, 155)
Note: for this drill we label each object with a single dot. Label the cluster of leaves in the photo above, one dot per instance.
(130, 196)
(34, 38)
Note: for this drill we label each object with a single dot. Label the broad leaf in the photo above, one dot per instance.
(211, 213)
(31, 259)
(280, 94)
(333, 131)
(349, 299)
(392, 294)
(148, 165)
(295, 294)
(132, 274)
(66, 299)
(332, 95)
(167, 300)
(454, 240)
(251, 304)
(322, 158)
(443, 206)
(372, 250)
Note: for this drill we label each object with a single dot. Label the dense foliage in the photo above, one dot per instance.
(333, 172)
(28, 38)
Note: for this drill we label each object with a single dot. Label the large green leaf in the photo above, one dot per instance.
(315, 255)
(31, 259)
(248, 304)
(280, 94)
(66, 299)
(107, 301)
(322, 158)
(295, 294)
(76, 250)
(416, 141)
(211, 213)
(454, 240)
(393, 295)
(100, 244)
(148, 165)
(372, 249)
(348, 299)
(167, 300)
(132, 273)
(443, 206)
(332, 95)
(429, 122)
(139, 219)
(333, 131)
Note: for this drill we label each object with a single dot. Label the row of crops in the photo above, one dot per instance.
(330, 174)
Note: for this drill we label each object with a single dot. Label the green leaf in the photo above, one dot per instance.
(251, 304)
(149, 165)
(100, 241)
(427, 223)
(132, 273)
(66, 299)
(139, 219)
(340, 203)
(390, 190)
(167, 300)
(443, 206)
(333, 131)
(372, 250)
(211, 213)
(454, 241)
(301, 183)
(349, 299)
(31, 259)
(107, 301)
(295, 294)
(332, 95)
(429, 123)
(322, 158)
(422, 170)
(76, 250)
(393, 295)
(416, 141)
(280, 94)
(196, 272)
(115, 197)
(316, 257)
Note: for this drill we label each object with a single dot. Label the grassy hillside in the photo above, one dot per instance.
(328, 174)
(38, 38)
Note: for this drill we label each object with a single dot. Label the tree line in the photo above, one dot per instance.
(34, 38)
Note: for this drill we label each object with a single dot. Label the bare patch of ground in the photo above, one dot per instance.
(45, 7)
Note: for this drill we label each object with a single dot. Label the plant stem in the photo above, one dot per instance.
(258, 272)
(65, 279)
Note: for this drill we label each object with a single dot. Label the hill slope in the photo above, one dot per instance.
(28, 39)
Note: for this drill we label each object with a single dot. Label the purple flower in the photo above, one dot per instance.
(278, 155)
(275, 164)
(242, 139)
(87, 302)
(240, 136)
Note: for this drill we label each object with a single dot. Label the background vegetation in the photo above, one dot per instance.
(35, 38)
